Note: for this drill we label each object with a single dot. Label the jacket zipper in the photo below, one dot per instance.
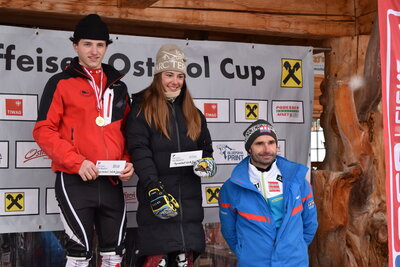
(179, 184)
(104, 141)
(286, 209)
(109, 105)
(266, 203)
(73, 139)
(108, 115)
(72, 136)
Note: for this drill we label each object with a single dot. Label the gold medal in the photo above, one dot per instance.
(100, 121)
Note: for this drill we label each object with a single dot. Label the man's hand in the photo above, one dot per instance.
(88, 171)
(127, 173)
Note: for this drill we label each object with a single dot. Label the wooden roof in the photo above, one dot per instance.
(288, 22)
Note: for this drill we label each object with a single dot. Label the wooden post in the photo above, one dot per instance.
(349, 188)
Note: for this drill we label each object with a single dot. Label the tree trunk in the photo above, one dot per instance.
(349, 187)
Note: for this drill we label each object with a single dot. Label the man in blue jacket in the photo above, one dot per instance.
(267, 211)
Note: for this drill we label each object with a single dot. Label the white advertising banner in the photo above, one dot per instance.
(233, 84)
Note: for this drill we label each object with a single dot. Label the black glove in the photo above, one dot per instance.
(163, 205)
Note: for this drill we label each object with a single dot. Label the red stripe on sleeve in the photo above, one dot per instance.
(254, 217)
(225, 205)
(297, 209)
(307, 197)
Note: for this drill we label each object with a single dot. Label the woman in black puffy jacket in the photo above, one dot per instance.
(163, 121)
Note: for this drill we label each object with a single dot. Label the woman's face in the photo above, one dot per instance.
(172, 81)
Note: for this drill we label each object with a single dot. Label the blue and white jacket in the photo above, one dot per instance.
(247, 224)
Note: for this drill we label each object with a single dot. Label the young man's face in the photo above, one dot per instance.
(91, 52)
(263, 151)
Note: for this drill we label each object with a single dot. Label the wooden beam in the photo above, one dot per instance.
(364, 7)
(365, 23)
(310, 7)
(136, 3)
(289, 25)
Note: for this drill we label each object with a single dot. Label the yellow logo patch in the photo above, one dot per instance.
(251, 110)
(212, 194)
(292, 74)
(14, 201)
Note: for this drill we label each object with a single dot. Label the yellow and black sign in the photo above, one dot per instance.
(251, 111)
(14, 201)
(292, 74)
(212, 194)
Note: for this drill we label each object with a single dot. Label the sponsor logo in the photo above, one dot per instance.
(311, 204)
(229, 153)
(86, 93)
(273, 187)
(130, 197)
(30, 155)
(14, 107)
(279, 178)
(14, 201)
(211, 110)
(212, 194)
(251, 110)
(287, 111)
(291, 73)
(18, 107)
(291, 111)
(35, 154)
(215, 110)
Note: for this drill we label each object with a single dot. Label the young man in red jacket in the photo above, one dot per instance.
(81, 118)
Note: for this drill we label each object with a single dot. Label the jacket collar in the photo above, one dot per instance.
(75, 69)
(290, 172)
(240, 175)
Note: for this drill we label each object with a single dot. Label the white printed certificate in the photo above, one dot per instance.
(183, 159)
(110, 167)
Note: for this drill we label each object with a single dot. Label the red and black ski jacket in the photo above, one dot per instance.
(66, 129)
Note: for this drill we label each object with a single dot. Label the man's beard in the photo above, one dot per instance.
(257, 160)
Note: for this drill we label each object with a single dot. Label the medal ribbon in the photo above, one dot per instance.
(98, 90)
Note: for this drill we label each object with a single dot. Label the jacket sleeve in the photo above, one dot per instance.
(204, 141)
(309, 214)
(138, 137)
(126, 155)
(46, 130)
(227, 216)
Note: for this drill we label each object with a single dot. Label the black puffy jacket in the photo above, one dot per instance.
(151, 151)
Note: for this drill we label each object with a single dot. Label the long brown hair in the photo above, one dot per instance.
(155, 109)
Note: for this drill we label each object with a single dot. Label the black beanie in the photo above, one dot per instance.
(256, 129)
(91, 27)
